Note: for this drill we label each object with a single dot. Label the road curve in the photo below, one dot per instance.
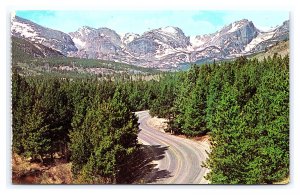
(182, 158)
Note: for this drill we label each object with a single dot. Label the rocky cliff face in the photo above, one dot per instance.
(97, 43)
(233, 39)
(159, 40)
(161, 48)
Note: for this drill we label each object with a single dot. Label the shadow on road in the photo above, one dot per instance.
(142, 169)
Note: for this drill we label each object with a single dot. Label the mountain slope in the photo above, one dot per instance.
(280, 48)
(25, 49)
(54, 39)
(272, 37)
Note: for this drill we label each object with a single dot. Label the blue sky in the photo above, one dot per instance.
(191, 22)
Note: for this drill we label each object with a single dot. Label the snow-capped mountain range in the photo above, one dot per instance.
(165, 47)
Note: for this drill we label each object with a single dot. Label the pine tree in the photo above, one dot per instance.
(20, 103)
(105, 141)
(194, 115)
(226, 162)
(272, 158)
(250, 132)
(188, 83)
(195, 106)
(35, 133)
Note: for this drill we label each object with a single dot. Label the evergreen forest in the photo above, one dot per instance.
(242, 105)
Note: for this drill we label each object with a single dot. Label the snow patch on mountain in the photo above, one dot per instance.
(85, 30)
(161, 54)
(169, 30)
(234, 27)
(260, 38)
(129, 37)
(237, 25)
(79, 43)
(196, 41)
(23, 29)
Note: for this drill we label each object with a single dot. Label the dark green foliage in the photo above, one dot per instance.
(35, 139)
(250, 124)
(194, 107)
(41, 116)
(164, 96)
(90, 121)
(104, 141)
(21, 101)
(272, 107)
(226, 160)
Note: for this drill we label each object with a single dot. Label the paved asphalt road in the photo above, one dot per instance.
(177, 160)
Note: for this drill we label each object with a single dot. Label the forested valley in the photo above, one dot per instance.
(243, 105)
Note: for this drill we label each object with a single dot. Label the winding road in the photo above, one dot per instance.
(179, 159)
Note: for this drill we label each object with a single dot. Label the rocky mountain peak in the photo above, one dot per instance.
(85, 30)
(238, 25)
(129, 37)
(242, 21)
